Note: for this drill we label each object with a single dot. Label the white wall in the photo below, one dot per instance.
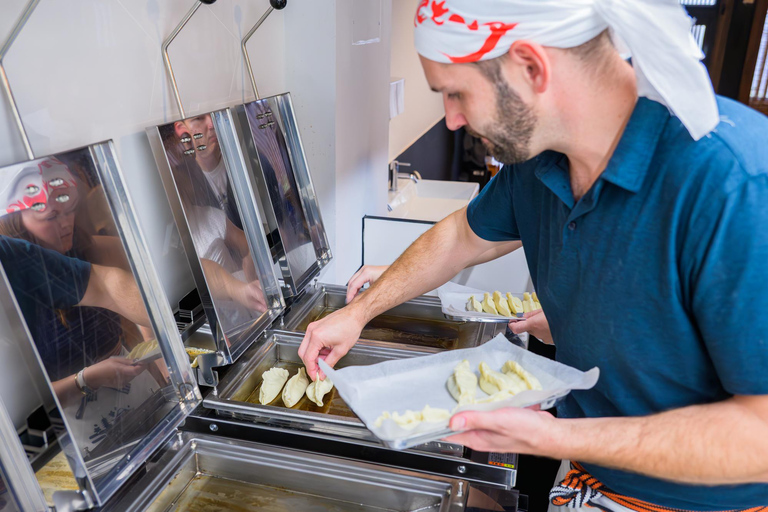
(89, 70)
(423, 108)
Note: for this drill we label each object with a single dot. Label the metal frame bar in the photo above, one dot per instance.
(167, 59)
(4, 77)
(243, 44)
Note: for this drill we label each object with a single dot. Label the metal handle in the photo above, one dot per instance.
(4, 77)
(167, 59)
(275, 4)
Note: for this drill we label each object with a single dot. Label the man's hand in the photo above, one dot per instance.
(536, 324)
(508, 430)
(250, 295)
(114, 372)
(330, 339)
(367, 274)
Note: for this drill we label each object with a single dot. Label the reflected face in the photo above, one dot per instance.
(54, 227)
(487, 107)
(203, 135)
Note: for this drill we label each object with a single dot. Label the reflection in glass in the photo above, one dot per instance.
(7, 500)
(208, 201)
(71, 278)
(282, 190)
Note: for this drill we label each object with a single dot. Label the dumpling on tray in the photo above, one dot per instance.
(318, 389)
(295, 388)
(272, 382)
(462, 384)
(493, 382)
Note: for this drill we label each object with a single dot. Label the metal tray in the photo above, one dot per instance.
(237, 394)
(199, 472)
(418, 322)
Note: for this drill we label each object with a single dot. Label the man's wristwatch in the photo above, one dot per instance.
(80, 382)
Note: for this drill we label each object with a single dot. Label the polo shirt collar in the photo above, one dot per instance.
(632, 158)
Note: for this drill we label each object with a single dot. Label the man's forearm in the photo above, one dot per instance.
(433, 259)
(721, 443)
(495, 252)
(115, 289)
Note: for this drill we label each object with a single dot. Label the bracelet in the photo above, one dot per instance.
(80, 381)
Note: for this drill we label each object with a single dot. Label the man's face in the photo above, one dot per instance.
(486, 106)
(203, 125)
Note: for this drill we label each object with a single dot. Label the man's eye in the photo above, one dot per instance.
(454, 95)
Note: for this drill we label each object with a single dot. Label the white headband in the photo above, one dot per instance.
(657, 34)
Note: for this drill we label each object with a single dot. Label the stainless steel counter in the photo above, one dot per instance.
(200, 472)
(417, 322)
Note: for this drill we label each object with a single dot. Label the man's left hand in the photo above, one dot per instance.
(508, 430)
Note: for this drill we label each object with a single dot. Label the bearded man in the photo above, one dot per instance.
(641, 200)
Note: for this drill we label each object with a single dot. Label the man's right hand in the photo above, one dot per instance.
(114, 372)
(330, 339)
(366, 274)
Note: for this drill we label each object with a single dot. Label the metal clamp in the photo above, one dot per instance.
(274, 4)
(4, 77)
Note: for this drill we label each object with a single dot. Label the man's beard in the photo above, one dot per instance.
(509, 139)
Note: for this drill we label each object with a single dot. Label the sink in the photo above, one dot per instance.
(429, 200)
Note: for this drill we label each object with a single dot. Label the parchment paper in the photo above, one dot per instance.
(454, 297)
(410, 384)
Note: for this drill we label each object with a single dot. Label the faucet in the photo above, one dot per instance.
(394, 173)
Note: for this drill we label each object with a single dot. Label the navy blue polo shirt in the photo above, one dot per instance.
(658, 275)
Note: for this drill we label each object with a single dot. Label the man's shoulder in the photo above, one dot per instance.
(734, 152)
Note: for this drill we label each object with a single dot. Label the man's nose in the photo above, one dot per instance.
(453, 118)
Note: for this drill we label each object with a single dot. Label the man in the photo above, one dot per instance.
(198, 136)
(644, 230)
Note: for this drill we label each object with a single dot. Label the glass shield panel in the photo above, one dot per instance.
(201, 164)
(19, 490)
(278, 164)
(77, 270)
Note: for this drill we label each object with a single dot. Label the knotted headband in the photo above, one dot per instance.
(656, 33)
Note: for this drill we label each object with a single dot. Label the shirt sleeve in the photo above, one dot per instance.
(729, 299)
(42, 275)
(491, 214)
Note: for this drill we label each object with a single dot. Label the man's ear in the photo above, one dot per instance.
(532, 58)
(180, 129)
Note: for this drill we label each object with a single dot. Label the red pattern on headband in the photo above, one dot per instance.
(438, 10)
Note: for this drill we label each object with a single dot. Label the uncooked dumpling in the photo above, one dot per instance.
(492, 381)
(501, 304)
(462, 384)
(272, 382)
(142, 349)
(488, 305)
(411, 419)
(295, 388)
(474, 305)
(515, 304)
(318, 389)
(514, 368)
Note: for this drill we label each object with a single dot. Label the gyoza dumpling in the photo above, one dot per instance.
(514, 368)
(409, 419)
(318, 389)
(272, 382)
(492, 381)
(142, 349)
(501, 304)
(474, 305)
(527, 303)
(496, 397)
(515, 304)
(295, 388)
(488, 305)
(462, 384)
(434, 414)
